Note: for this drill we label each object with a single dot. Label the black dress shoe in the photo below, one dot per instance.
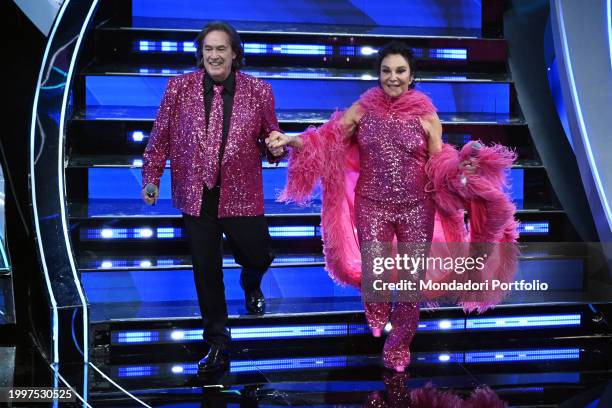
(216, 360)
(254, 300)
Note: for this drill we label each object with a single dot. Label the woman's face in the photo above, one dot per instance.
(395, 76)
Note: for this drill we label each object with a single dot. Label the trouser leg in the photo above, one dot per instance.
(250, 242)
(375, 234)
(205, 241)
(414, 234)
(404, 323)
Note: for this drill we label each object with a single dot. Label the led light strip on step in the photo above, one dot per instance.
(131, 337)
(146, 233)
(302, 50)
(327, 362)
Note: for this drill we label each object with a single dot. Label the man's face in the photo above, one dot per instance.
(217, 55)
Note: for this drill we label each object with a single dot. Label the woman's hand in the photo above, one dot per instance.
(277, 141)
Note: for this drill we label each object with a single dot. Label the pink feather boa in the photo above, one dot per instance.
(493, 229)
(408, 105)
(328, 155)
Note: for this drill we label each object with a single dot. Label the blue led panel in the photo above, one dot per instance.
(343, 329)
(534, 228)
(437, 358)
(144, 233)
(448, 53)
(288, 364)
(441, 325)
(503, 356)
(136, 337)
(240, 333)
(523, 321)
(280, 332)
(288, 49)
(295, 231)
(330, 362)
(137, 371)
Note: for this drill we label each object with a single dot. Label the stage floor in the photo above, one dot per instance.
(578, 374)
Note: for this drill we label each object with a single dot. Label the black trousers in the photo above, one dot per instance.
(249, 241)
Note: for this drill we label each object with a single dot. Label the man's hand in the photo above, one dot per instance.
(149, 194)
(276, 142)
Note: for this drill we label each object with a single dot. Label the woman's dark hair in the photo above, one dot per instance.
(235, 43)
(393, 48)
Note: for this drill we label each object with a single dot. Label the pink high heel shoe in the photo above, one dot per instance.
(376, 332)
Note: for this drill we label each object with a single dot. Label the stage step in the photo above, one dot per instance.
(297, 94)
(514, 324)
(112, 137)
(99, 261)
(289, 72)
(119, 293)
(299, 223)
(107, 178)
(144, 114)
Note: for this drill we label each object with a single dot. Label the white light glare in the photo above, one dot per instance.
(177, 335)
(368, 50)
(445, 324)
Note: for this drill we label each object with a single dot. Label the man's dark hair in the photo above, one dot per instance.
(393, 48)
(235, 43)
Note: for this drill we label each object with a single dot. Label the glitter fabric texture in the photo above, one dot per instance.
(180, 128)
(391, 203)
(392, 155)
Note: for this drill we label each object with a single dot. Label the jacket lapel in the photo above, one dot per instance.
(198, 101)
(236, 107)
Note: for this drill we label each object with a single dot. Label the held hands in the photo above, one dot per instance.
(149, 194)
(276, 143)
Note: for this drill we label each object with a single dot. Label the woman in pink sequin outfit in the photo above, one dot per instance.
(385, 142)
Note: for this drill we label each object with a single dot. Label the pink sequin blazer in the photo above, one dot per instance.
(327, 156)
(181, 125)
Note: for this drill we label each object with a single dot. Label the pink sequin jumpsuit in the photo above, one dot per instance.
(391, 202)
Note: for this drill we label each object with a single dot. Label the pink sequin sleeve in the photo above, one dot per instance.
(269, 122)
(158, 148)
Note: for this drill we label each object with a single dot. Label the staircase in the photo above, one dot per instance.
(134, 259)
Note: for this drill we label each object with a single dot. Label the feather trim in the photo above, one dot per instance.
(410, 104)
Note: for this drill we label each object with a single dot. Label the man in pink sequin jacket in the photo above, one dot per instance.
(212, 124)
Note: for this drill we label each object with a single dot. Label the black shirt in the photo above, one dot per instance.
(229, 87)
